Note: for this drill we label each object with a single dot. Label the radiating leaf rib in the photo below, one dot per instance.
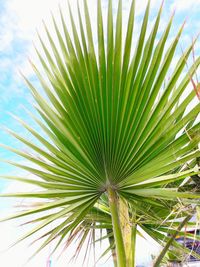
(157, 110)
(165, 178)
(109, 61)
(73, 120)
(138, 81)
(172, 131)
(83, 63)
(80, 72)
(52, 115)
(125, 63)
(64, 167)
(66, 185)
(164, 136)
(147, 130)
(174, 78)
(172, 145)
(62, 140)
(180, 110)
(60, 154)
(51, 194)
(72, 201)
(127, 48)
(59, 178)
(146, 86)
(162, 73)
(116, 81)
(93, 71)
(102, 79)
(54, 157)
(143, 174)
(139, 135)
(51, 167)
(95, 91)
(75, 124)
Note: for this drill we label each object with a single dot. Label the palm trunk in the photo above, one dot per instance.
(126, 231)
(119, 243)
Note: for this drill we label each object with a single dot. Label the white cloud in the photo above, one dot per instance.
(5, 40)
(185, 5)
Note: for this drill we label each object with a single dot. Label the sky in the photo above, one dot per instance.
(19, 20)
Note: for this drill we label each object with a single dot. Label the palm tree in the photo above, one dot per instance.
(114, 126)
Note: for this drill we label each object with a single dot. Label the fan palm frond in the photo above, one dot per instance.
(112, 127)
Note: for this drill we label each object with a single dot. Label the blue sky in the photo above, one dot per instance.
(18, 22)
